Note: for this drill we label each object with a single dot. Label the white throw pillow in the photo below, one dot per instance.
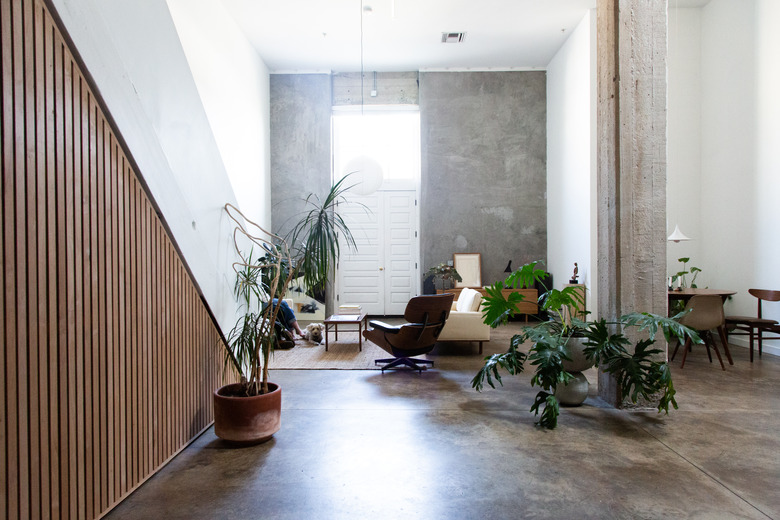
(466, 300)
(476, 302)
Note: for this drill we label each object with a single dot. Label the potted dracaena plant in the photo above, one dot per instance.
(639, 374)
(249, 411)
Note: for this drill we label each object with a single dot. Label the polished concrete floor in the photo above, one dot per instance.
(362, 444)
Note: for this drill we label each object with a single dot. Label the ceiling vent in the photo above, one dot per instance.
(452, 37)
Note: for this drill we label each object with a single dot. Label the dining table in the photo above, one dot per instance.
(687, 293)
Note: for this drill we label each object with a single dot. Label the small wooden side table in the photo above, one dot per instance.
(345, 319)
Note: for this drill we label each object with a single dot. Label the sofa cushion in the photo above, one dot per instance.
(469, 300)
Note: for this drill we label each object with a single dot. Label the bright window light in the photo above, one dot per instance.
(390, 137)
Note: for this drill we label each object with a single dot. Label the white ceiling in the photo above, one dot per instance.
(403, 35)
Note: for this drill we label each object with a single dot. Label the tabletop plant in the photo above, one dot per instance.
(638, 373)
(677, 306)
(443, 272)
(680, 275)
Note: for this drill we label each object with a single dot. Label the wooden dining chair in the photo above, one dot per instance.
(755, 326)
(705, 315)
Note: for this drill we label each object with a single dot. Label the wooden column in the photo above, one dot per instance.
(631, 161)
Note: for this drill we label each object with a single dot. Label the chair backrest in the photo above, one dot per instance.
(435, 306)
(764, 294)
(706, 313)
(427, 315)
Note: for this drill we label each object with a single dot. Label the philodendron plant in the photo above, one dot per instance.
(638, 373)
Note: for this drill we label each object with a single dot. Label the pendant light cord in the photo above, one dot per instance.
(361, 58)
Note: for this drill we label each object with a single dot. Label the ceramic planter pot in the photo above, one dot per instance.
(247, 420)
(574, 393)
(578, 363)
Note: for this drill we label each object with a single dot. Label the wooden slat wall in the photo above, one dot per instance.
(110, 355)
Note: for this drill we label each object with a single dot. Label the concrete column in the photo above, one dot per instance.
(631, 124)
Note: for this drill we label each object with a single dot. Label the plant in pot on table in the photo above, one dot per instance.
(250, 411)
(444, 276)
(566, 344)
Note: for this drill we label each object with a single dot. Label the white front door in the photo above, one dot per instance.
(383, 274)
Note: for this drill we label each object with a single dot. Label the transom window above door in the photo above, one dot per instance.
(381, 144)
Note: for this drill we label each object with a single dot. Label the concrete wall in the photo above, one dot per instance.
(483, 161)
(483, 168)
(390, 88)
(571, 157)
(133, 52)
(300, 144)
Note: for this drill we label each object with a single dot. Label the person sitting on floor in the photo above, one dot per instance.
(287, 318)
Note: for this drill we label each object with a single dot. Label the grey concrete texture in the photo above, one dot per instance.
(484, 145)
(631, 160)
(484, 168)
(391, 88)
(300, 144)
(362, 444)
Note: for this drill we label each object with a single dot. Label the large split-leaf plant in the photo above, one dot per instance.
(638, 371)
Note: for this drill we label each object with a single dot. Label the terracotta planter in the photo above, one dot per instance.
(247, 420)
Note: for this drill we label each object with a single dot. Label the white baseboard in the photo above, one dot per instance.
(771, 347)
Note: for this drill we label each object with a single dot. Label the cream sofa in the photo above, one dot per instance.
(465, 321)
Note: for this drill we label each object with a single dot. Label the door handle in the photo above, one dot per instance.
(381, 268)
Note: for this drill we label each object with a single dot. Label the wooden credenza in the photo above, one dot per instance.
(527, 306)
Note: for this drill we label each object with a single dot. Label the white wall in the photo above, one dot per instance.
(571, 159)
(737, 135)
(234, 84)
(767, 149)
(728, 148)
(683, 173)
(133, 52)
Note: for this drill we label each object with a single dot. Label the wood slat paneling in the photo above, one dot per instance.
(110, 355)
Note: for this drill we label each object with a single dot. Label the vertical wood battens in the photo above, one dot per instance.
(110, 355)
(31, 255)
(17, 372)
(5, 143)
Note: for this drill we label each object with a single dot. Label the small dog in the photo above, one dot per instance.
(313, 332)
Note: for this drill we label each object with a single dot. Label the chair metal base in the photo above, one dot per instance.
(413, 363)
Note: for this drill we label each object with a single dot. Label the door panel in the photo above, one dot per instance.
(382, 275)
(400, 228)
(364, 283)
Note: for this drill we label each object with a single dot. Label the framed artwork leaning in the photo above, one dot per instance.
(469, 267)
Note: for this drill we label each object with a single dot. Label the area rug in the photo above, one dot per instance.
(344, 355)
(341, 355)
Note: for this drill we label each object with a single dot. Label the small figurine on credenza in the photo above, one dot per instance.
(575, 275)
